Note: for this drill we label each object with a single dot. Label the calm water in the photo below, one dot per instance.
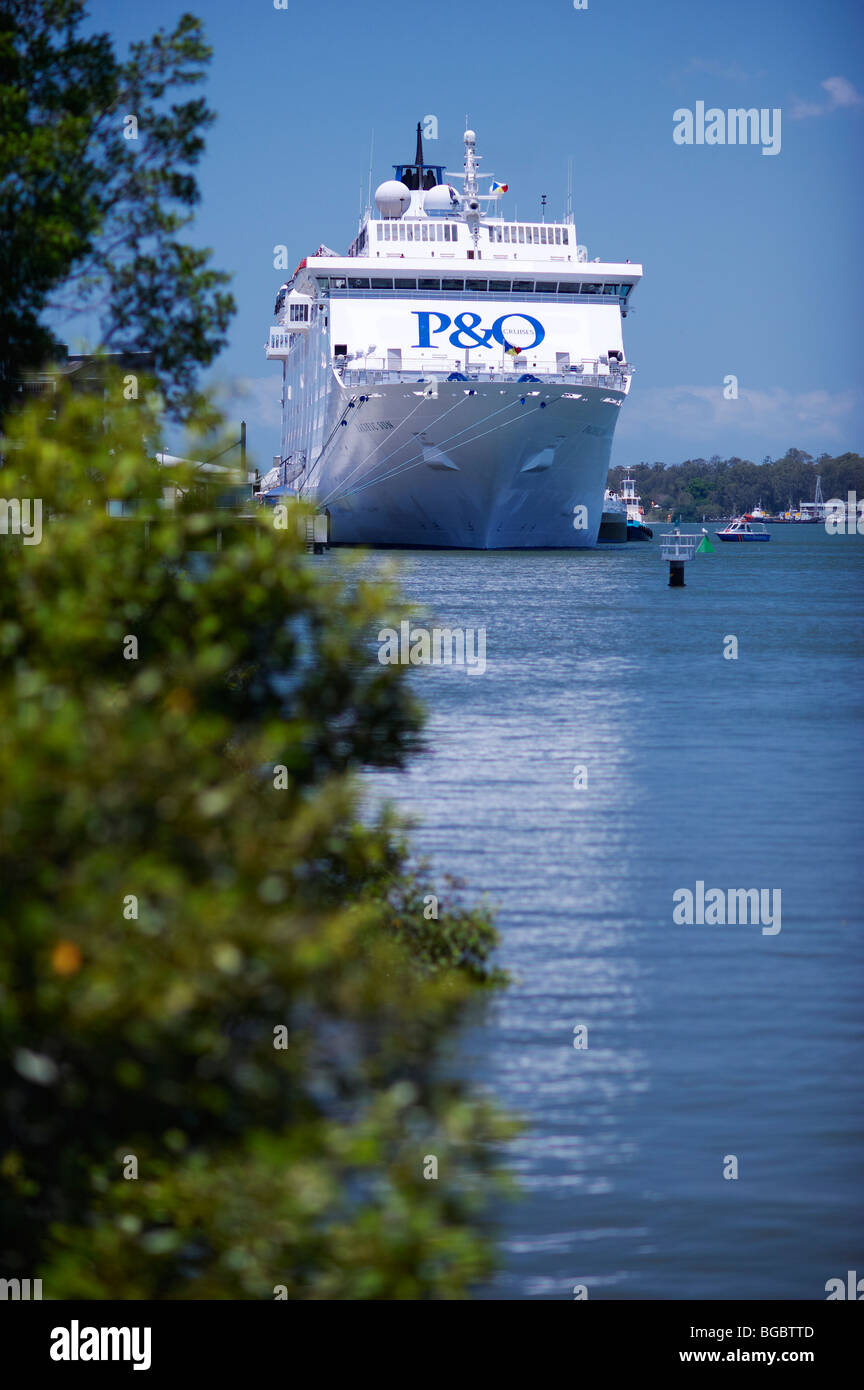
(704, 1041)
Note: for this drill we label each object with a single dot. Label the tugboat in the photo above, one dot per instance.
(743, 529)
(613, 523)
(636, 528)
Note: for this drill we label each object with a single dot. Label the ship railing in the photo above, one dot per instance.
(423, 371)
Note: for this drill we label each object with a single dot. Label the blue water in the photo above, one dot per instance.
(703, 1041)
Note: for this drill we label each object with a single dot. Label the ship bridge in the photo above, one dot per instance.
(419, 176)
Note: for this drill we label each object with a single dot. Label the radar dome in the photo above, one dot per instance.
(441, 198)
(392, 198)
(469, 137)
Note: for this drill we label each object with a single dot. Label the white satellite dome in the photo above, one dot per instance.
(469, 137)
(441, 198)
(392, 198)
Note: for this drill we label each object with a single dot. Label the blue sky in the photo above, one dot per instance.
(752, 262)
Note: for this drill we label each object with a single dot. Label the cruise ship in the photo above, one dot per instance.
(455, 379)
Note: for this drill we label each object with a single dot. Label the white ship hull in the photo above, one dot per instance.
(482, 472)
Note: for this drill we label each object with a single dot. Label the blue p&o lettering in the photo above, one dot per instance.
(424, 315)
(539, 330)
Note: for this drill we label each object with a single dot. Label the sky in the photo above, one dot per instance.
(752, 261)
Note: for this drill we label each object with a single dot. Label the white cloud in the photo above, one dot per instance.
(696, 421)
(842, 95)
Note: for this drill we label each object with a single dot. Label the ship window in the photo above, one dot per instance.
(361, 283)
(565, 237)
(568, 287)
(381, 284)
(523, 286)
(499, 286)
(405, 284)
(429, 284)
(610, 289)
(591, 289)
(337, 282)
(536, 235)
(452, 284)
(424, 232)
(478, 286)
(521, 233)
(543, 235)
(624, 290)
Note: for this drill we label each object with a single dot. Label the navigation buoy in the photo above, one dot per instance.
(677, 549)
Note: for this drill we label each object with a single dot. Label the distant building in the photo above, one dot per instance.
(82, 372)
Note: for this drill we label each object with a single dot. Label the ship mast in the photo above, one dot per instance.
(470, 191)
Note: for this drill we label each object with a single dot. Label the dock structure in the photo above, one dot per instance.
(677, 548)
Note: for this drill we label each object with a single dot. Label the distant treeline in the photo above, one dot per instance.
(727, 487)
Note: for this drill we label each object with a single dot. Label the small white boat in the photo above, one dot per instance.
(742, 529)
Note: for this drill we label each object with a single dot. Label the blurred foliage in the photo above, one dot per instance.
(727, 487)
(260, 907)
(92, 205)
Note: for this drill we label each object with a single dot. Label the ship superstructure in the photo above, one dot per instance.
(456, 378)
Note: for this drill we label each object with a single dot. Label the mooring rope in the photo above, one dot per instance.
(408, 464)
(336, 494)
(365, 461)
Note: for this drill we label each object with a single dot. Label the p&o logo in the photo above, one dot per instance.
(468, 334)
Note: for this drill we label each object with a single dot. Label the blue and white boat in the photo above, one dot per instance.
(743, 530)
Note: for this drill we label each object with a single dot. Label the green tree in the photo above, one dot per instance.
(96, 185)
(211, 970)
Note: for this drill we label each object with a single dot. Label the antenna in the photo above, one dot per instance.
(543, 207)
(369, 188)
(570, 190)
